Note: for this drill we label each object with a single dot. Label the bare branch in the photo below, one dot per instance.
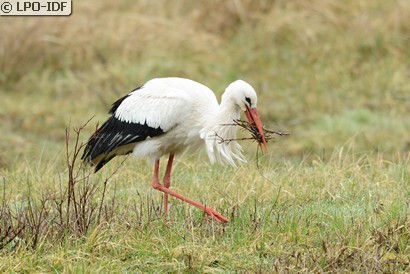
(255, 135)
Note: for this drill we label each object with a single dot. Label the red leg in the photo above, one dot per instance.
(167, 182)
(156, 171)
(155, 184)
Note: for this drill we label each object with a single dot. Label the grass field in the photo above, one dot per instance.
(334, 196)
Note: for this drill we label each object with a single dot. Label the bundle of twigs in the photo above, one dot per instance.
(255, 135)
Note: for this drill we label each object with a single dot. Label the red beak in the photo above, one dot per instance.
(253, 118)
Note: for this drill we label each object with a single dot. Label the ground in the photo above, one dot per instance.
(331, 197)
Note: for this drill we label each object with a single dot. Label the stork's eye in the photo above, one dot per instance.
(248, 100)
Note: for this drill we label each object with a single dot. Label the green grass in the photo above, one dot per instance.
(331, 197)
(343, 215)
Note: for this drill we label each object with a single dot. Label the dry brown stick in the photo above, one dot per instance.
(246, 126)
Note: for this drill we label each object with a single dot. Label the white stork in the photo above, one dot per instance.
(166, 116)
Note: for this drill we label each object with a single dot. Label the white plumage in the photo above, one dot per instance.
(167, 116)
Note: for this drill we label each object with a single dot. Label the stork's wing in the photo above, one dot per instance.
(157, 106)
(145, 112)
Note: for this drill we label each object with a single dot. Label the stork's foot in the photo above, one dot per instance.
(216, 215)
(210, 211)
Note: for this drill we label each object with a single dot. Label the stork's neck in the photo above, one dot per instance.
(228, 111)
(220, 134)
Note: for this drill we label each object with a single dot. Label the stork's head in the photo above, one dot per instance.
(244, 96)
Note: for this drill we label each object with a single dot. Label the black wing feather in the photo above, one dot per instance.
(114, 134)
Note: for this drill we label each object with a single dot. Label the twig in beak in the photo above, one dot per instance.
(256, 136)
